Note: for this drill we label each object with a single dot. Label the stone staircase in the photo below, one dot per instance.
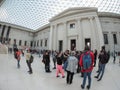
(3, 49)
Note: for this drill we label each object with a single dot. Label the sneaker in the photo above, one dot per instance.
(98, 79)
(30, 72)
(88, 87)
(58, 76)
(97, 71)
(95, 76)
(82, 87)
(54, 68)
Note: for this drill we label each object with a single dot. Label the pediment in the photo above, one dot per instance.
(72, 11)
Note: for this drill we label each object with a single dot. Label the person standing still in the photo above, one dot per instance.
(28, 55)
(103, 61)
(87, 58)
(71, 67)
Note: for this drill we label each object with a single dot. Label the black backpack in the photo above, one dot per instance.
(31, 59)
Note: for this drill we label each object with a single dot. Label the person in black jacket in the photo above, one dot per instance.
(102, 61)
(46, 58)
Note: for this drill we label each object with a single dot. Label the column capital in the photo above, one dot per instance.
(91, 17)
(65, 22)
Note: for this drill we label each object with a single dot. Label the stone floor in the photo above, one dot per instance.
(12, 78)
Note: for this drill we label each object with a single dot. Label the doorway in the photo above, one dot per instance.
(73, 44)
(88, 42)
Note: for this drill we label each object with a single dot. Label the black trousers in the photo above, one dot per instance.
(69, 78)
(47, 67)
(29, 66)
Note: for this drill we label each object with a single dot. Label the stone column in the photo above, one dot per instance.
(51, 38)
(80, 35)
(109, 40)
(93, 35)
(65, 40)
(100, 34)
(118, 40)
(55, 37)
(2, 34)
(7, 34)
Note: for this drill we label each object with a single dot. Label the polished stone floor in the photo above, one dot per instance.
(12, 78)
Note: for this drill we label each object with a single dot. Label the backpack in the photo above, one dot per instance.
(106, 57)
(31, 59)
(87, 61)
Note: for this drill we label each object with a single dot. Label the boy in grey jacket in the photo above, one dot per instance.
(71, 67)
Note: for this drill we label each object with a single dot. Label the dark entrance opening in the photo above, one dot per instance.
(88, 42)
(73, 44)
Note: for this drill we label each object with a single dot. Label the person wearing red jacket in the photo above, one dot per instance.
(87, 71)
(18, 53)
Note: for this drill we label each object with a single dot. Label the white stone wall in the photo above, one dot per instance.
(20, 35)
(43, 35)
(87, 25)
(17, 33)
(110, 26)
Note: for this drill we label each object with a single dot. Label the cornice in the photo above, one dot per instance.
(73, 11)
(109, 14)
(16, 26)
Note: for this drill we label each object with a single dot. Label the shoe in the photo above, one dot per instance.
(88, 87)
(58, 76)
(54, 68)
(63, 76)
(95, 76)
(67, 82)
(48, 71)
(70, 82)
(30, 72)
(98, 79)
(97, 71)
(82, 87)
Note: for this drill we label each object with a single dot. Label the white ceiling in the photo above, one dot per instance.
(35, 13)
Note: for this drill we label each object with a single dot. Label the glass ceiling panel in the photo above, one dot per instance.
(35, 13)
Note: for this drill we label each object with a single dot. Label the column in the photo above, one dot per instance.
(80, 35)
(55, 37)
(7, 34)
(118, 40)
(93, 35)
(2, 34)
(65, 40)
(51, 38)
(110, 40)
(100, 34)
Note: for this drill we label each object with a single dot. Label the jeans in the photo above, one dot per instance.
(87, 74)
(18, 63)
(65, 65)
(101, 70)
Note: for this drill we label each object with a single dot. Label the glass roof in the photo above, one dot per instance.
(35, 13)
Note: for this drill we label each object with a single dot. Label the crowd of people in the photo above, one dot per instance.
(71, 62)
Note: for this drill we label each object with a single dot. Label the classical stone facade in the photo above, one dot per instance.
(71, 29)
(74, 28)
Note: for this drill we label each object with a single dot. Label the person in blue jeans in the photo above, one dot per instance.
(102, 60)
(86, 71)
